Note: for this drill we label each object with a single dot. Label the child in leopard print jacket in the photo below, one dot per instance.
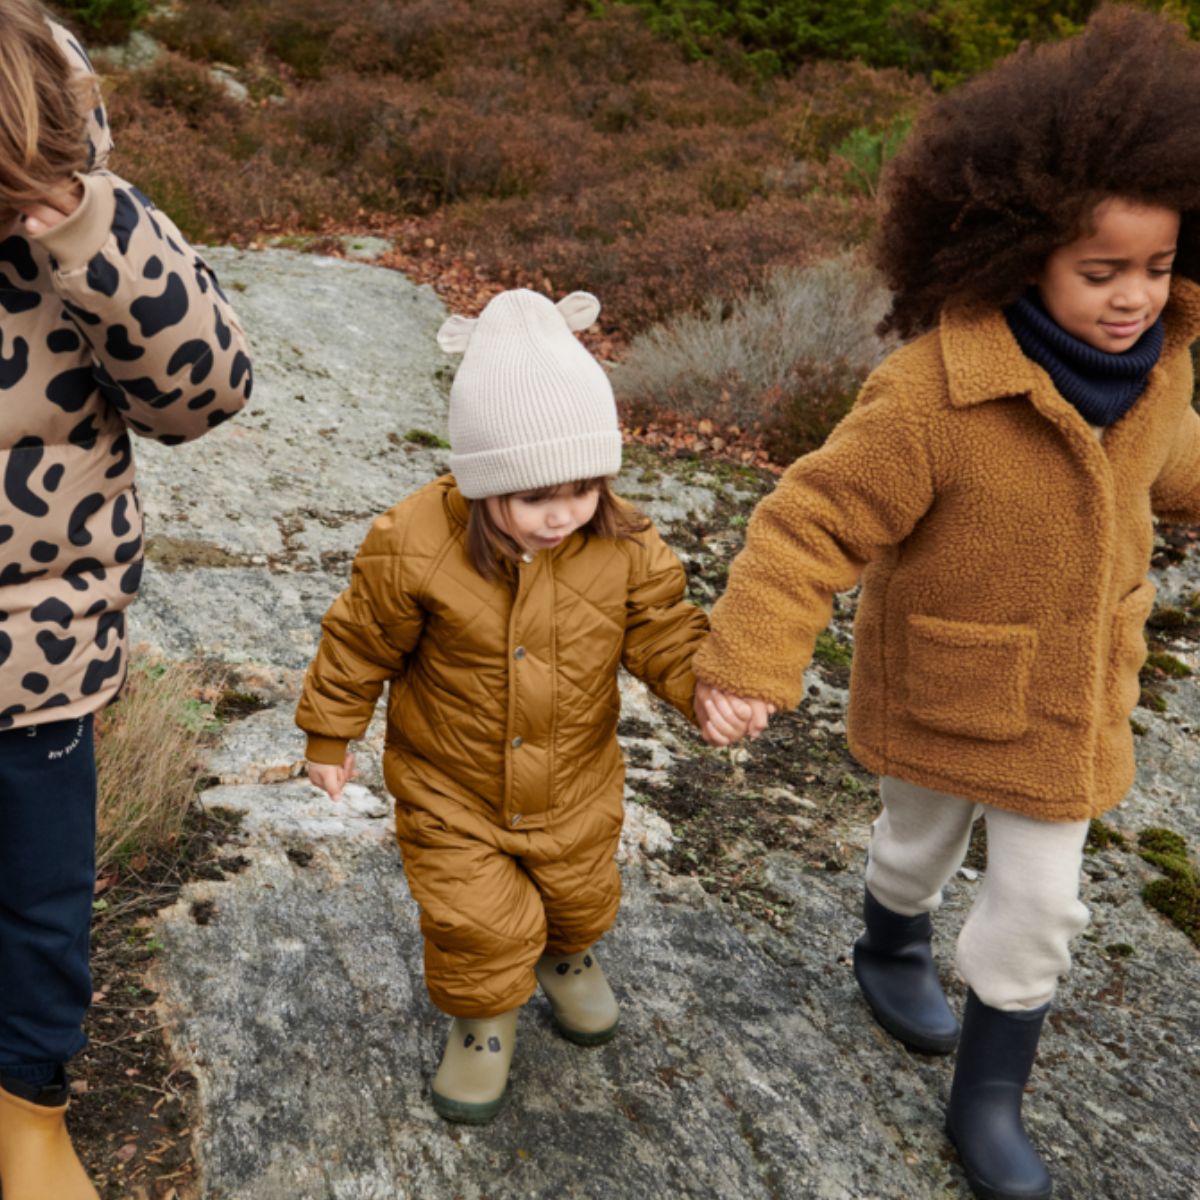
(109, 325)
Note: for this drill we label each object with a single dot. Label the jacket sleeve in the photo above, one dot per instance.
(831, 513)
(662, 629)
(169, 354)
(366, 637)
(1175, 495)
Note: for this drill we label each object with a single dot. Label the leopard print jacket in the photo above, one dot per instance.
(110, 324)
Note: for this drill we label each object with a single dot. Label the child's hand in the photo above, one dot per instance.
(54, 208)
(725, 718)
(331, 779)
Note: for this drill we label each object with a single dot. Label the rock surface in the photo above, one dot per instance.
(747, 1066)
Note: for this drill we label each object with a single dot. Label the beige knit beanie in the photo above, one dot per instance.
(529, 407)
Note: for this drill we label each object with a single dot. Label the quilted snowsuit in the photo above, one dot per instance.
(1003, 552)
(109, 324)
(501, 731)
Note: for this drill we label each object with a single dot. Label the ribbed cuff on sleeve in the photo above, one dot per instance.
(73, 242)
(326, 750)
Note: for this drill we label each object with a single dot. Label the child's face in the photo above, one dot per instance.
(540, 524)
(1109, 286)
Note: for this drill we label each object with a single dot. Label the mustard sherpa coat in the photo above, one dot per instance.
(1003, 551)
(501, 734)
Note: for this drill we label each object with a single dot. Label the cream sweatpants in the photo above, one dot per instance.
(1014, 944)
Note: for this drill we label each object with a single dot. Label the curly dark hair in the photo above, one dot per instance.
(1003, 170)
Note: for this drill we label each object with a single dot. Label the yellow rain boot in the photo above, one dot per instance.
(585, 1010)
(37, 1160)
(470, 1084)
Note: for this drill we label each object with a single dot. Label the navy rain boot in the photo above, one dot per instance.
(983, 1119)
(894, 967)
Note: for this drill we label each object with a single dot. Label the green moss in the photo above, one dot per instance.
(1138, 728)
(1171, 618)
(829, 650)
(422, 437)
(1164, 848)
(1168, 664)
(1177, 896)
(1153, 701)
(1101, 836)
(1119, 950)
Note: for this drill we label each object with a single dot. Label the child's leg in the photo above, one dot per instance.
(483, 922)
(917, 843)
(484, 930)
(47, 884)
(1014, 945)
(581, 892)
(1011, 951)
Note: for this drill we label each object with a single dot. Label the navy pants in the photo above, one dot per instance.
(47, 881)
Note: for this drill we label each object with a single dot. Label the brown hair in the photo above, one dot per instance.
(1003, 170)
(489, 548)
(43, 107)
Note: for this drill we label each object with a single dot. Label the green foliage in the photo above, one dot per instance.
(422, 437)
(1101, 836)
(829, 650)
(867, 151)
(104, 21)
(946, 40)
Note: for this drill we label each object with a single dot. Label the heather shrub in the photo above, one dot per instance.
(182, 86)
(787, 357)
(557, 147)
(828, 101)
(205, 32)
(102, 21)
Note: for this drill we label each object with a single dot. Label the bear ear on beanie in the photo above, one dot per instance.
(579, 310)
(455, 334)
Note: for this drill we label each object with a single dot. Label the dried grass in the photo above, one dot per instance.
(737, 360)
(147, 758)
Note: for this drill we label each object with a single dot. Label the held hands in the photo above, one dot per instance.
(331, 779)
(53, 209)
(725, 719)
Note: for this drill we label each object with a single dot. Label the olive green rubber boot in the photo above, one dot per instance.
(37, 1160)
(585, 1010)
(470, 1084)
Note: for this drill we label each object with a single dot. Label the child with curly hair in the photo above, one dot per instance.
(110, 325)
(994, 489)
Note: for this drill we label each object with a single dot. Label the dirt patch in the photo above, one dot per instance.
(796, 788)
(174, 554)
(131, 1112)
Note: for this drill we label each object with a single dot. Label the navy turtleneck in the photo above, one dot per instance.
(1102, 386)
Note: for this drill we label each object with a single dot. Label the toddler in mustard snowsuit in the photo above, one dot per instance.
(993, 488)
(498, 604)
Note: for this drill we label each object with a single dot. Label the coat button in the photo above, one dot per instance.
(517, 743)
(527, 557)
(519, 652)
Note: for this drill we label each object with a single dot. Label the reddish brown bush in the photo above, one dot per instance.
(552, 143)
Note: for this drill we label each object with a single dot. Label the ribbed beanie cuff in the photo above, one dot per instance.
(539, 464)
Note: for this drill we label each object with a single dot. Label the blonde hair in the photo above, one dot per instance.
(43, 109)
(489, 548)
